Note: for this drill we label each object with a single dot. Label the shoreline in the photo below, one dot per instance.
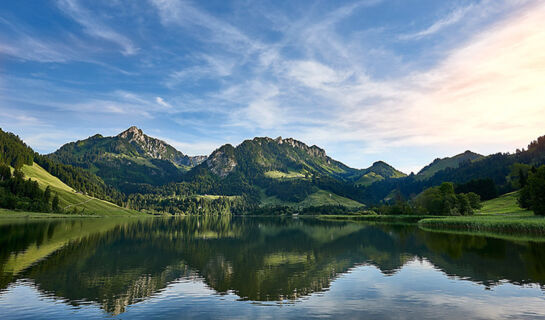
(515, 226)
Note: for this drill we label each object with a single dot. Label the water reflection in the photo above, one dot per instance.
(117, 263)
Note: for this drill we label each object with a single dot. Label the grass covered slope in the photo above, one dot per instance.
(380, 170)
(323, 198)
(316, 199)
(449, 162)
(502, 215)
(69, 198)
(275, 174)
(504, 204)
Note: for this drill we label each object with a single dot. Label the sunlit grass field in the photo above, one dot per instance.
(501, 214)
(318, 198)
(68, 198)
(504, 204)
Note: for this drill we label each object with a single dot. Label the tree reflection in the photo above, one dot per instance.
(116, 263)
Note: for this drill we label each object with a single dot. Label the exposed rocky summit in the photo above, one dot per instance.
(313, 150)
(130, 157)
(222, 161)
(158, 149)
(261, 154)
(153, 148)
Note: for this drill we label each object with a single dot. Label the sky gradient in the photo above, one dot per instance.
(399, 81)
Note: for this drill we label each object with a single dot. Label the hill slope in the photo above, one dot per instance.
(494, 168)
(318, 198)
(380, 170)
(449, 162)
(504, 204)
(276, 172)
(260, 155)
(69, 198)
(128, 158)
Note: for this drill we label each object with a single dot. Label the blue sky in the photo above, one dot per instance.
(400, 81)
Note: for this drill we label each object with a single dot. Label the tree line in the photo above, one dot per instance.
(18, 193)
(532, 194)
(440, 200)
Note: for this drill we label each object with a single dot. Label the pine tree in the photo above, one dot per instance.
(55, 203)
(5, 172)
(47, 194)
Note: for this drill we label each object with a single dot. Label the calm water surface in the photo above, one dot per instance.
(233, 268)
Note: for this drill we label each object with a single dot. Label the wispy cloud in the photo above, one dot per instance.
(326, 75)
(183, 14)
(94, 27)
(452, 18)
(24, 46)
(206, 66)
(482, 94)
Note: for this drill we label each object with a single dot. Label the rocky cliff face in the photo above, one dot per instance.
(158, 149)
(153, 148)
(196, 160)
(261, 154)
(222, 161)
(313, 151)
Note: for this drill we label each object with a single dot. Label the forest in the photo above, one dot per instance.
(450, 191)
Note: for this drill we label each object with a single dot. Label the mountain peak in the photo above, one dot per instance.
(158, 149)
(313, 150)
(380, 170)
(132, 132)
(381, 163)
(440, 164)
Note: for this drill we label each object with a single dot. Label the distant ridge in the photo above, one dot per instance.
(380, 170)
(448, 162)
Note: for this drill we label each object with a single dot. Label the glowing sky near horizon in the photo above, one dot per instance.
(399, 81)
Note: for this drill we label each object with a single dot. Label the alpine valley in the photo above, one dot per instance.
(135, 172)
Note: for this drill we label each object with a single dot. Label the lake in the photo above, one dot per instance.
(231, 268)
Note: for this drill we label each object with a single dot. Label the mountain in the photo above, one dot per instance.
(131, 157)
(380, 170)
(275, 158)
(31, 187)
(448, 162)
(283, 172)
(484, 175)
(156, 149)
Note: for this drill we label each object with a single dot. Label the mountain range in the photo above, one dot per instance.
(132, 157)
(138, 171)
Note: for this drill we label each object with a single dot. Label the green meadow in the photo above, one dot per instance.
(69, 200)
(499, 217)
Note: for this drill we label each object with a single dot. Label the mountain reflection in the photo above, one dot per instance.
(116, 263)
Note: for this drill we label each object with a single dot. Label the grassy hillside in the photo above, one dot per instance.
(380, 170)
(449, 162)
(499, 215)
(369, 178)
(505, 204)
(69, 199)
(318, 198)
(321, 198)
(275, 174)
